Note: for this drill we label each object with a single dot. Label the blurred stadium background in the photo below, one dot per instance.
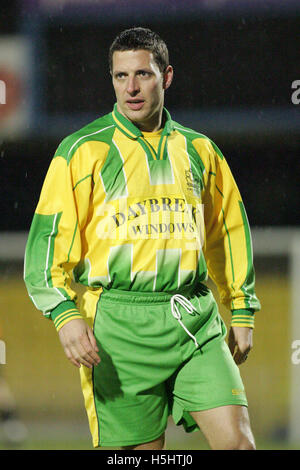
(236, 72)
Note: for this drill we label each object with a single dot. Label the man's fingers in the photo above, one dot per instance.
(71, 358)
(240, 343)
(92, 340)
(79, 343)
(242, 352)
(90, 347)
(84, 353)
(240, 357)
(80, 356)
(231, 342)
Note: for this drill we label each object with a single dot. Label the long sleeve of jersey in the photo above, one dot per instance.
(117, 209)
(54, 244)
(228, 246)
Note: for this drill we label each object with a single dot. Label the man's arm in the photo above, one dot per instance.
(228, 249)
(54, 249)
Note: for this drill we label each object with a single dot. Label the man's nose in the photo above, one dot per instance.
(132, 85)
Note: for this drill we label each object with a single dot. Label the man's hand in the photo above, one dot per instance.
(79, 343)
(240, 342)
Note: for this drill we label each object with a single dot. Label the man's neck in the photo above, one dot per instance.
(152, 124)
(148, 127)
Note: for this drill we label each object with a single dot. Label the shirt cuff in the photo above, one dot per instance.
(243, 317)
(63, 313)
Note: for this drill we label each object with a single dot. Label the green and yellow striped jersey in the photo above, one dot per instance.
(138, 211)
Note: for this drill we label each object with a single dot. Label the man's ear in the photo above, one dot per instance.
(168, 77)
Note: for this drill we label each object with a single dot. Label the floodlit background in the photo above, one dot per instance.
(237, 80)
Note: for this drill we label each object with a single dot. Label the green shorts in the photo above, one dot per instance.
(151, 367)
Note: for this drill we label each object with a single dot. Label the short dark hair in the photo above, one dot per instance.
(141, 38)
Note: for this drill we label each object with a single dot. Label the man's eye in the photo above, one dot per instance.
(143, 73)
(120, 75)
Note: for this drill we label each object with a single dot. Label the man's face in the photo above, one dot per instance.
(139, 86)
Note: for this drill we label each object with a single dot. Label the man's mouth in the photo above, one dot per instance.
(135, 104)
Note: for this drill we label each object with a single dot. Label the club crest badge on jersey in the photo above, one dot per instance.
(193, 183)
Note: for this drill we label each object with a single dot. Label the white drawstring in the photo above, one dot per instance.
(188, 306)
